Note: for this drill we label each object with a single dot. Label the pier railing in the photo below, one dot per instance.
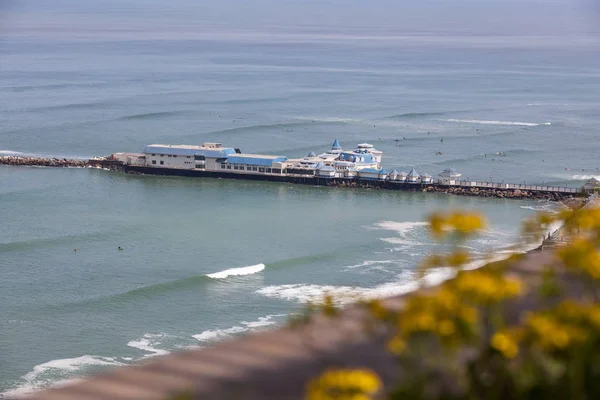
(502, 185)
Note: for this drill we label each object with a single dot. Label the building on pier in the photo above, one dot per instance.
(449, 176)
(214, 159)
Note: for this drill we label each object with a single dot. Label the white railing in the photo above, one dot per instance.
(496, 185)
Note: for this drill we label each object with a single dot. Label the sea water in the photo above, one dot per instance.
(207, 259)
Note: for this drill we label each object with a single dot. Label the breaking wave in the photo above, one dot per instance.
(148, 343)
(405, 232)
(62, 371)
(584, 177)
(252, 269)
(161, 289)
(302, 293)
(56, 372)
(212, 335)
(253, 128)
(160, 114)
(7, 152)
(486, 122)
(11, 153)
(418, 115)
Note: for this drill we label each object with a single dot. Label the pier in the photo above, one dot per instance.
(386, 181)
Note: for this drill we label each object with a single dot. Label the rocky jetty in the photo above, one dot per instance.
(42, 162)
(500, 193)
(457, 190)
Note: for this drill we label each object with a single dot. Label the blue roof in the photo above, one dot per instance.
(383, 172)
(336, 145)
(394, 172)
(312, 154)
(413, 173)
(185, 151)
(351, 156)
(265, 161)
(372, 171)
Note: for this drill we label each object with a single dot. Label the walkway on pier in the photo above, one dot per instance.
(507, 186)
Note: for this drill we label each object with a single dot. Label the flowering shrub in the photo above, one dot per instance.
(491, 333)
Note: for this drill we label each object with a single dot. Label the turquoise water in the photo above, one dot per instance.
(67, 313)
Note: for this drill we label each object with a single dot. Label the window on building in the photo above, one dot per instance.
(199, 166)
(187, 156)
(222, 166)
(235, 167)
(162, 162)
(229, 167)
(254, 168)
(162, 155)
(174, 156)
(269, 170)
(276, 170)
(153, 154)
(201, 158)
(261, 170)
(153, 161)
(248, 168)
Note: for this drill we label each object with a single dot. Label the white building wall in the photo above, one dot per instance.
(169, 161)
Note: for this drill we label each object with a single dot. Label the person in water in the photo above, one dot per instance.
(120, 248)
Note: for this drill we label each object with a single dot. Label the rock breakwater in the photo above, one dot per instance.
(42, 162)
(457, 190)
(500, 193)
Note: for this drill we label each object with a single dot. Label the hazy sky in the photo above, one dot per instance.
(165, 18)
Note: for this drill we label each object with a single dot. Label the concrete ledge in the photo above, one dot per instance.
(275, 364)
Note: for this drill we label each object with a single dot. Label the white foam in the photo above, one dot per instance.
(216, 334)
(400, 227)
(263, 321)
(48, 374)
(304, 293)
(330, 119)
(373, 263)
(10, 153)
(148, 343)
(42, 155)
(252, 269)
(486, 122)
(404, 230)
(211, 335)
(585, 177)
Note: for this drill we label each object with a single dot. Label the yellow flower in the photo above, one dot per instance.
(486, 287)
(397, 345)
(344, 384)
(505, 345)
(466, 223)
(458, 258)
(437, 225)
(446, 328)
(594, 317)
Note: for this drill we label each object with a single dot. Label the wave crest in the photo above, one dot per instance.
(252, 269)
(486, 122)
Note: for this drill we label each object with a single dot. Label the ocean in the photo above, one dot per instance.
(208, 259)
